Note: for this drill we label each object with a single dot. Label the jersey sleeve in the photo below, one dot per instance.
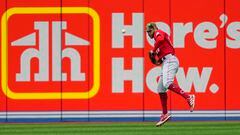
(159, 37)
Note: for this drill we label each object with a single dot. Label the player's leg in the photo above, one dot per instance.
(170, 69)
(163, 97)
(190, 98)
(162, 94)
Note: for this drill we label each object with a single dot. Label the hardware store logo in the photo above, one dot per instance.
(48, 34)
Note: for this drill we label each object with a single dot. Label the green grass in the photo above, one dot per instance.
(140, 128)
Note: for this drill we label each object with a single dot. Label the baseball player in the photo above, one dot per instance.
(163, 54)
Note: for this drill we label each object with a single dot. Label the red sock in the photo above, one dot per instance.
(163, 97)
(175, 88)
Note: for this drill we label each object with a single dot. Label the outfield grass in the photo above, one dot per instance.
(141, 128)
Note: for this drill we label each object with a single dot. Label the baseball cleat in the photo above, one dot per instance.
(164, 118)
(191, 102)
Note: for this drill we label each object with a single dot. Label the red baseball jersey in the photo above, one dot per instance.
(162, 45)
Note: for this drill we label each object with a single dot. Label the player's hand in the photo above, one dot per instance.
(159, 62)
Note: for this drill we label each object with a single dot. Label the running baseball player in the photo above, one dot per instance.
(163, 54)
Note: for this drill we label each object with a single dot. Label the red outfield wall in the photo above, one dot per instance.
(68, 59)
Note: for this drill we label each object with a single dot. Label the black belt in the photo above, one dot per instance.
(166, 56)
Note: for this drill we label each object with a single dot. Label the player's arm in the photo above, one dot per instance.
(158, 40)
